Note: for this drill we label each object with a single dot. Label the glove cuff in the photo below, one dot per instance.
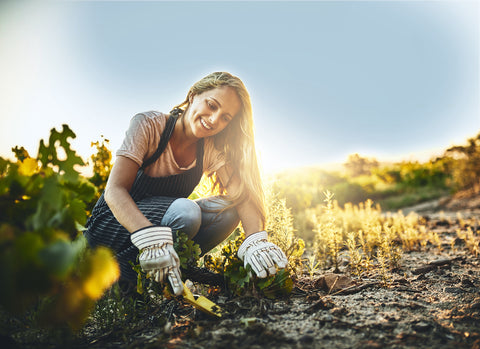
(153, 235)
(261, 235)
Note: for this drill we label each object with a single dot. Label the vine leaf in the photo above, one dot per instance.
(49, 154)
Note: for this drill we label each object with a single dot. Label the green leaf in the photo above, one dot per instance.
(52, 194)
(20, 153)
(281, 285)
(79, 245)
(49, 206)
(188, 251)
(76, 210)
(3, 165)
(262, 283)
(47, 154)
(27, 246)
(58, 257)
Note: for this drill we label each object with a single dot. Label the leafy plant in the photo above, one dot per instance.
(279, 225)
(188, 251)
(239, 279)
(42, 209)
(329, 234)
(102, 166)
(189, 254)
(472, 240)
(312, 265)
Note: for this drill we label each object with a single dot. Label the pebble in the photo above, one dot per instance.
(306, 339)
(324, 318)
(422, 326)
(167, 328)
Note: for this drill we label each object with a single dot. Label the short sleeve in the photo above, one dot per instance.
(141, 137)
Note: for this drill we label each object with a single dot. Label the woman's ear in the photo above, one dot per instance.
(190, 98)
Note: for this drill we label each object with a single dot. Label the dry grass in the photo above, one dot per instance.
(372, 239)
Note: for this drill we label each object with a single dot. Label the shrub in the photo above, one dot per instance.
(45, 260)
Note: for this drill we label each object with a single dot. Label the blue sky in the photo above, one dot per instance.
(388, 79)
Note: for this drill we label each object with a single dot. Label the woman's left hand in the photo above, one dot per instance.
(264, 257)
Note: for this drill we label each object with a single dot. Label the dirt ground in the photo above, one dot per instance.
(431, 301)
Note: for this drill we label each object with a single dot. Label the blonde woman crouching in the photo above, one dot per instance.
(160, 162)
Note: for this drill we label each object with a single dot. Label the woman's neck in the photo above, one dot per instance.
(182, 137)
(183, 144)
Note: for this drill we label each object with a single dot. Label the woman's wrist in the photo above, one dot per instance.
(152, 235)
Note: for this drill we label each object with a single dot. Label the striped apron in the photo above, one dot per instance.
(153, 196)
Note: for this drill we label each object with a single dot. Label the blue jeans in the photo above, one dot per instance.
(201, 220)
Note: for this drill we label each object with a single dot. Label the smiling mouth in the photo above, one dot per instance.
(204, 124)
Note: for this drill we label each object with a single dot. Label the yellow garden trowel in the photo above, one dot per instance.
(199, 302)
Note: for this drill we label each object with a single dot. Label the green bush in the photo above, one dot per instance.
(44, 258)
(349, 192)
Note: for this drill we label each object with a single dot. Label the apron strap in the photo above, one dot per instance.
(167, 133)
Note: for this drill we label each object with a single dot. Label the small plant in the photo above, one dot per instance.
(392, 252)
(189, 254)
(114, 310)
(329, 235)
(188, 251)
(355, 255)
(239, 279)
(382, 263)
(279, 225)
(312, 265)
(367, 235)
(472, 240)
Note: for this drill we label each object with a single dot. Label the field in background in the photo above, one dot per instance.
(392, 186)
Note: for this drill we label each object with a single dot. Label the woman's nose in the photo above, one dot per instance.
(213, 118)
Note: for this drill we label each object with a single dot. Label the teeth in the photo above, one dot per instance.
(205, 124)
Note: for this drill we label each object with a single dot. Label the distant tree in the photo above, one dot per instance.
(357, 165)
(388, 174)
(465, 163)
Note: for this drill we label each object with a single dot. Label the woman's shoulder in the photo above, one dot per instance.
(151, 115)
(151, 119)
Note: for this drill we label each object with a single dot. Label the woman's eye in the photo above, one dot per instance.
(211, 105)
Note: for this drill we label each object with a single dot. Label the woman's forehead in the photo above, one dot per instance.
(225, 95)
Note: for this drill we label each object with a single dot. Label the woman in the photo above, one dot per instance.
(160, 162)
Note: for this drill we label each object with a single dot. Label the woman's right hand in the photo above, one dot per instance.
(157, 255)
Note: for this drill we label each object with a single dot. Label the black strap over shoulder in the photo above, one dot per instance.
(167, 133)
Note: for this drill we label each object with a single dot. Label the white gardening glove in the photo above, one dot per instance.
(262, 255)
(157, 255)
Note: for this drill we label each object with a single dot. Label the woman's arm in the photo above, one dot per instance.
(264, 257)
(158, 258)
(118, 197)
(249, 216)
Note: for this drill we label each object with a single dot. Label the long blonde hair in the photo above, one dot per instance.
(236, 141)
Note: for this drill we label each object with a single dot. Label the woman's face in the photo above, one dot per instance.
(211, 111)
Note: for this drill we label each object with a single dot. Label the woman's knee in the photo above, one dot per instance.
(218, 210)
(183, 215)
